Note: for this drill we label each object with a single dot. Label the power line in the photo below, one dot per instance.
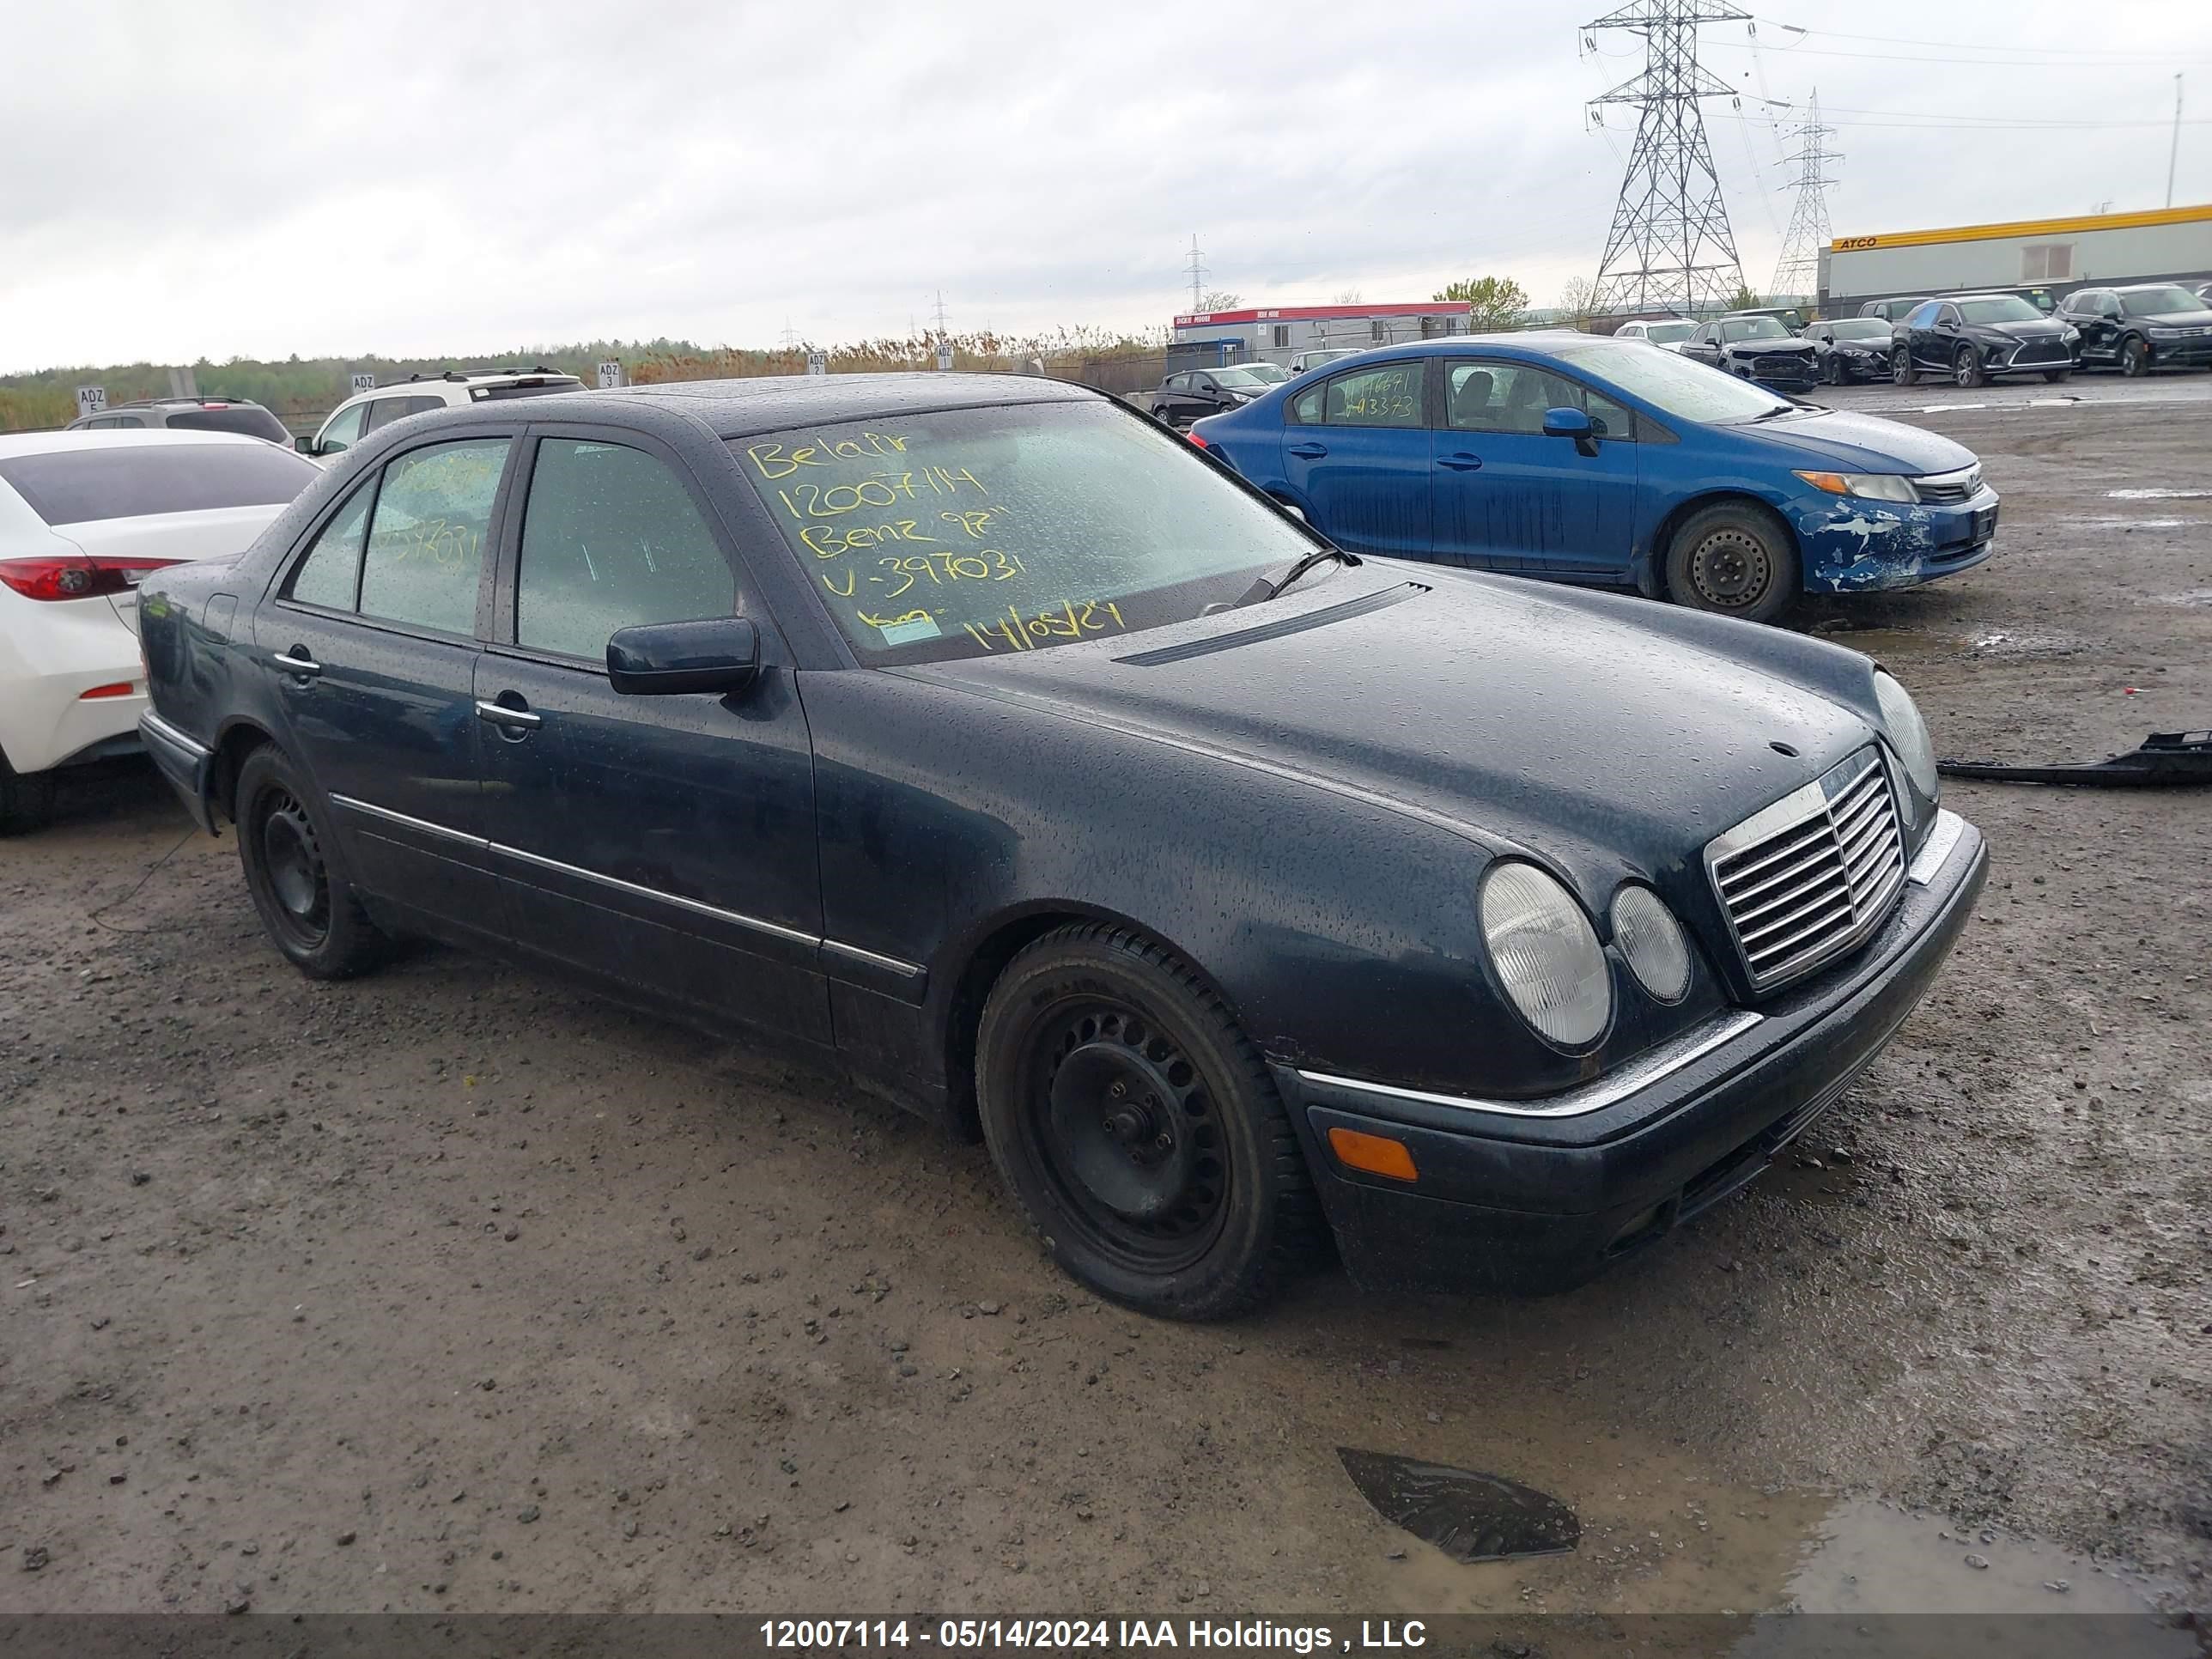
(1670, 247)
(2065, 62)
(2068, 52)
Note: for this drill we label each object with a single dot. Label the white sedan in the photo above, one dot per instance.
(83, 517)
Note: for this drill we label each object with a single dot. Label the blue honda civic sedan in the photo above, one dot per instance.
(1585, 460)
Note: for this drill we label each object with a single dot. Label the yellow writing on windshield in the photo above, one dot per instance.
(781, 460)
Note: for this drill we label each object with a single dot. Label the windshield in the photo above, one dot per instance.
(1860, 328)
(78, 486)
(2157, 301)
(1999, 308)
(1752, 328)
(1238, 377)
(972, 531)
(1675, 385)
(1668, 333)
(1272, 373)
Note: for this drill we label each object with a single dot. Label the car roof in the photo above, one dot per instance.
(48, 443)
(773, 403)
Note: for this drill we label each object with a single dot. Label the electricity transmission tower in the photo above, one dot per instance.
(1198, 274)
(1670, 247)
(1797, 273)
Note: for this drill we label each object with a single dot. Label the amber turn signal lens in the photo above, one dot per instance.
(1373, 1153)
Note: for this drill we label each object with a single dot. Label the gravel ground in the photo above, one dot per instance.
(454, 1289)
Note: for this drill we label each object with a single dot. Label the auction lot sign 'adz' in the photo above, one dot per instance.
(90, 400)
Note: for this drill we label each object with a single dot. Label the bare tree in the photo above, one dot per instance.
(1350, 296)
(1576, 299)
(1220, 300)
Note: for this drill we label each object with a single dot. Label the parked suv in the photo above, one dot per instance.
(1977, 335)
(2150, 326)
(237, 415)
(1756, 346)
(1893, 311)
(365, 411)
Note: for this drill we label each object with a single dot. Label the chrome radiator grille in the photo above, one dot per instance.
(1949, 489)
(1814, 874)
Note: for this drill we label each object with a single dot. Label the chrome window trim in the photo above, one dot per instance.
(1640, 1073)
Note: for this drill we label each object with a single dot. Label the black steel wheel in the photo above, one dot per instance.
(1900, 367)
(1139, 1128)
(308, 907)
(1736, 558)
(2135, 356)
(1832, 369)
(1966, 367)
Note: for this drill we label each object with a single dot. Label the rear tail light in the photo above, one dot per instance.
(1195, 439)
(120, 688)
(79, 578)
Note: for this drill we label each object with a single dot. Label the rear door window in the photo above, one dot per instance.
(610, 539)
(424, 558)
(78, 486)
(1388, 395)
(329, 576)
(253, 421)
(382, 411)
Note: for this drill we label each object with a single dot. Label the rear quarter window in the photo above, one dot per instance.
(252, 422)
(79, 486)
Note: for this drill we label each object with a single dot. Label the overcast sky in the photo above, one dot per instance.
(245, 178)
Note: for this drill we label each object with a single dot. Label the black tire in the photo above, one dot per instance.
(1900, 368)
(2135, 356)
(1190, 1198)
(1832, 370)
(1735, 559)
(1967, 369)
(26, 800)
(296, 875)
(2056, 376)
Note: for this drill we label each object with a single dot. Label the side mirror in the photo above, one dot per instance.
(305, 443)
(1568, 424)
(721, 654)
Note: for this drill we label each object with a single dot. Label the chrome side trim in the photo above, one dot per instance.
(775, 930)
(1949, 826)
(169, 734)
(406, 823)
(1639, 1073)
(889, 964)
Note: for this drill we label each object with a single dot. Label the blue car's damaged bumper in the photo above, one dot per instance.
(1855, 545)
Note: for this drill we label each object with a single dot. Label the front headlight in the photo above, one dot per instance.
(2072, 336)
(1873, 486)
(1546, 954)
(2166, 334)
(1651, 939)
(1908, 733)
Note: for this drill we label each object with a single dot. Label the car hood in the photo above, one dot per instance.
(2177, 320)
(1865, 443)
(1766, 348)
(1614, 735)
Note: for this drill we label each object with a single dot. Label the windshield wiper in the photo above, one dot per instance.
(1268, 588)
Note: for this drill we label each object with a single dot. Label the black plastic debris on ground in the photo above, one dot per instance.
(1469, 1517)
(2165, 758)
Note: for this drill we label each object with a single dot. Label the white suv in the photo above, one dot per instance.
(365, 411)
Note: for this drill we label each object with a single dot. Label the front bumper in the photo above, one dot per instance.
(1854, 545)
(1535, 1196)
(1852, 367)
(2195, 352)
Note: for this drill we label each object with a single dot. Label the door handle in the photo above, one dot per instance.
(1309, 451)
(1461, 462)
(498, 714)
(306, 667)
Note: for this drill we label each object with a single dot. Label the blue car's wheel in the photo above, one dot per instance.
(1734, 558)
(1138, 1127)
